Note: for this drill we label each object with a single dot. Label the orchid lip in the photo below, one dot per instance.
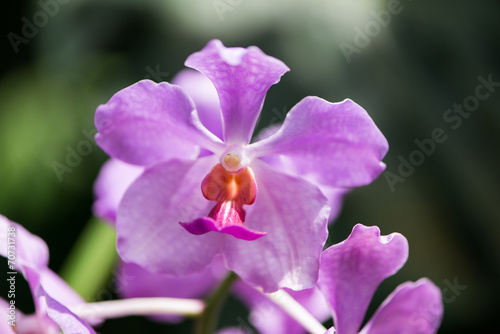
(206, 224)
(231, 190)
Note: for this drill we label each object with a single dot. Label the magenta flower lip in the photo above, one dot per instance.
(203, 225)
(300, 171)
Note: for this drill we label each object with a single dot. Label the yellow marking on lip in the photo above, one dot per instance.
(232, 161)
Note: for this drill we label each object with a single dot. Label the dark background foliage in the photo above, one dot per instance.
(426, 59)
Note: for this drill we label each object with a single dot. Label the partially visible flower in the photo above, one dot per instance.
(157, 126)
(53, 298)
(350, 272)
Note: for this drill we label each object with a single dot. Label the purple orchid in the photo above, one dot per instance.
(272, 221)
(53, 298)
(350, 272)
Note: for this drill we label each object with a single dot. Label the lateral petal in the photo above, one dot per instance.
(147, 123)
(335, 144)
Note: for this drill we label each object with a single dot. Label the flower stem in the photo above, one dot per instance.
(139, 306)
(296, 311)
(91, 261)
(207, 322)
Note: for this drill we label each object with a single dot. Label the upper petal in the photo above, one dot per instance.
(148, 122)
(112, 182)
(204, 96)
(148, 228)
(242, 78)
(336, 144)
(351, 271)
(294, 214)
(413, 308)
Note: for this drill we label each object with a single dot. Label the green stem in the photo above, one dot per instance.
(91, 261)
(207, 322)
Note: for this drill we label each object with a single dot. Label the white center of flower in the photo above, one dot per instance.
(234, 159)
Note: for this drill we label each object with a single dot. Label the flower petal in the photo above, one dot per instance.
(30, 249)
(268, 318)
(413, 308)
(335, 195)
(113, 180)
(67, 320)
(205, 97)
(294, 214)
(148, 218)
(351, 271)
(242, 78)
(147, 123)
(32, 323)
(55, 287)
(335, 199)
(336, 144)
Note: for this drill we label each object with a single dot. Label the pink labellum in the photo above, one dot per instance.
(207, 224)
(231, 190)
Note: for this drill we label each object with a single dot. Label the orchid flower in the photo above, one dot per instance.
(268, 224)
(53, 298)
(350, 272)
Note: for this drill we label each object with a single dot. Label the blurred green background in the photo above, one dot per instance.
(406, 72)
